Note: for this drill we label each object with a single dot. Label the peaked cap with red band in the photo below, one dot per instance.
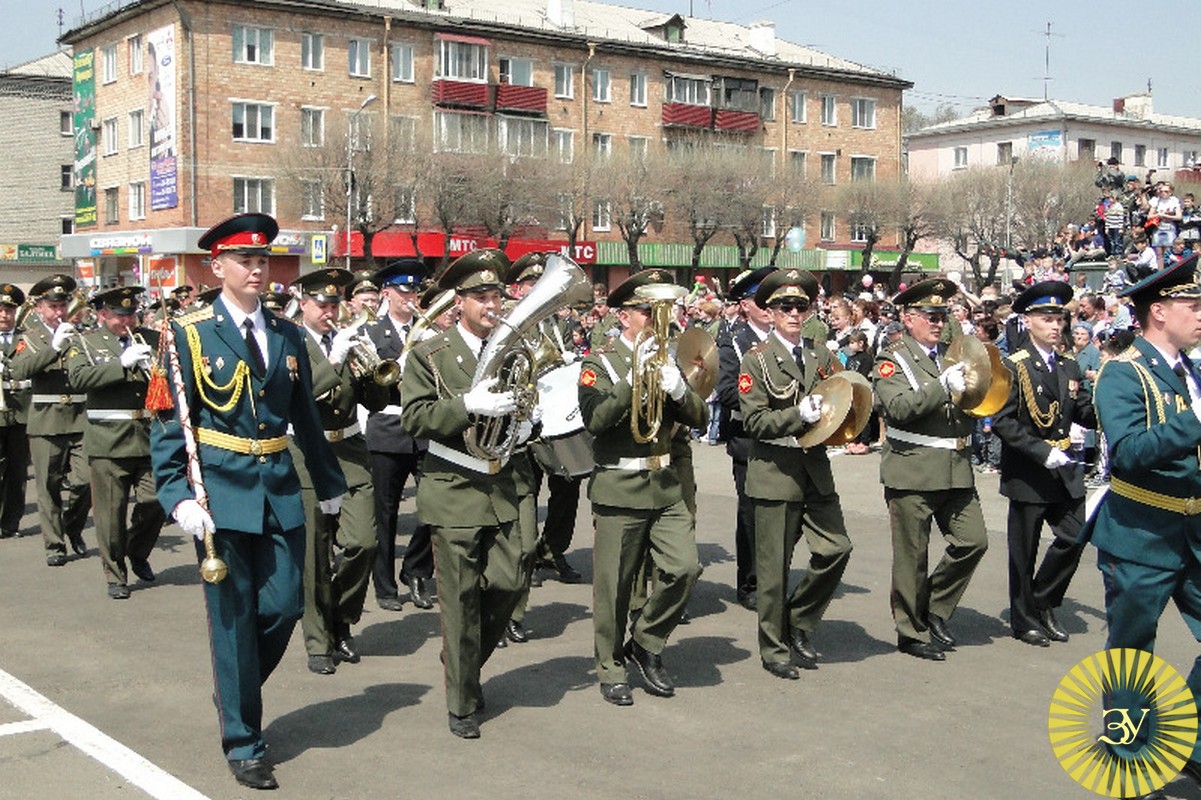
(245, 233)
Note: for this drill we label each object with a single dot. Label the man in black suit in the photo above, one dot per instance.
(395, 455)
(1043, 483)
(732, 344)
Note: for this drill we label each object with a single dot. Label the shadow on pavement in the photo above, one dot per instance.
(694, 661)
(339, 722)
(540, 685)
(399, 635)
(550, 621)
(842, 642)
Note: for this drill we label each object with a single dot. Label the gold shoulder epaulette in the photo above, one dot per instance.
(1131, 353)
(432, 345)
(192, 317)
(1068, 356)
(1020, 355)
(892, 347)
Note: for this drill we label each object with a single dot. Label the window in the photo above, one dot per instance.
(66, 125)
(602, 212)
(767, 103)
(767, 227)
(564, 144)
(602, 144)
(522, 137)
(253, 122)
(690, 91)
(861, 230)
(108, 135)
(1188, 158)
(517, 71)
(828, 164)
(960, 157)
(797, 102)
(461, 61)
(137, 200)
(312, 51)
(1140, 155)
(863, 168)
(135, 54)
(1161, 157)
(406, 205)
(1086, 149)
(1115, 151)
(67, 226)
(312, 200)
(639, 147)
(358, 127)
(108, 64)
(404, 132)
(66, 177)
(461, 133)
(136, 127)
(829, 110)
(564, 81)
(827, 226)
(1004, 153)
(253, 45)
(638, 89)
(358, 53)
(600, 85)
(111, 204)
(254, 194)
(796, 159)
(863, 112)
(402, 63)
(312, 127)
(738, 94)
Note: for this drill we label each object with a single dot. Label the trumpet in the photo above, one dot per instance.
(364, 360)
(646, 411)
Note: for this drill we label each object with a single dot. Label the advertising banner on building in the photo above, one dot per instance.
(160, 74)
(84, 122)
(1044, 144)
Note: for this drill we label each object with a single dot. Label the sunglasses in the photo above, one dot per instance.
(933, 316)
(789, 306)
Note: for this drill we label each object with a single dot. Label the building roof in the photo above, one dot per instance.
(1022, 111)
(54, 65)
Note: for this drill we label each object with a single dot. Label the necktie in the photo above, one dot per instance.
(1182, 373)
(934, 356)
(124, 343)
(1051, 363)
(798, 353)
(483, 347)
(327, 342)
(252, 345)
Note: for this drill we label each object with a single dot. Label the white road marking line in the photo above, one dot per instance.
(27, 726)
(108, 751)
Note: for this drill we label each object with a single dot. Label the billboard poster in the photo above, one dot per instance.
(160, 75)
(1044, 144)
(84, 121)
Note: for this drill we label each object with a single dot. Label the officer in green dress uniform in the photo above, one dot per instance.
(470, 502)
(56, 420)
(1042, 482)
(926, 470)
(636, 497)
(112, 365)
(246, 378)
(1147, 528)
(333, 597)
(792, 487)
(14, 441)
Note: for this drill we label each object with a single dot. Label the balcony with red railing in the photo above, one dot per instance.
(460, 93)
(683, 115)
(731, 121)
(527, 99)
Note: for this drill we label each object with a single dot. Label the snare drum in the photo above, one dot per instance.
(564, 448)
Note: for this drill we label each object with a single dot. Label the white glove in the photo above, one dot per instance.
(1056, 458)
(340, 348)
(136, 354)
(952, 379)
(569, 357)
(673, 381)
(647, 348)
(331, 506)
(481, 400)
(365, 342)
(536, 415)
(525, 429)
(810, 408)
(193, 519)
(62, 333)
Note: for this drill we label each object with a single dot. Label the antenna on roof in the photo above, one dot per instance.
(1047, 61)
(59, 14)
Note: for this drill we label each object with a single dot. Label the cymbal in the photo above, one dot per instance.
(998, 389)
(838, 395)
(696, 355)
(977, 369)
(860, 411)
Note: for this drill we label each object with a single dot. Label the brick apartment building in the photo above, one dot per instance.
(35, 168)
(194, 100)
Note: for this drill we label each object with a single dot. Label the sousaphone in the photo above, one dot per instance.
(987, 378)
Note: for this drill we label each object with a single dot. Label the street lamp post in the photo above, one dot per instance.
(350, 127)
(1013, 160)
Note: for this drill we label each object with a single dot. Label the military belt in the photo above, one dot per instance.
(239, 444)
(939, 442)
(1188, 506)
(782, 441)
(392, 410)
(65, 399)
(344, 433)
(117, 413)
(648, 464)
(447, 453)
(1060, 444)
(16, 386)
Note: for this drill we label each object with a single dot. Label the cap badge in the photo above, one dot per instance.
(488, 276)
(792, 275)
(256, 237)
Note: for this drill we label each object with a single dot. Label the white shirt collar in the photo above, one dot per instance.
(787, 344)
(1171, 361)
(1046, 354)
(760, 333)
(238, 316)
(472, 341)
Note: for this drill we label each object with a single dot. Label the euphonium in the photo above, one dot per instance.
(517, 362)
(363, 360)
(423, 321)
(23, 314)
(646, 411)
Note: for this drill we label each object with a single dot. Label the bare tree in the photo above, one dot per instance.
(971, 215)
(630, 194)
(796, 198)
(916, 220)
(749, 197)
(873, 210)
(452, 182)
(1048, 195)
(700, 182)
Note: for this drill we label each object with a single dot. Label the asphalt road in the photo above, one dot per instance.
(105, 696)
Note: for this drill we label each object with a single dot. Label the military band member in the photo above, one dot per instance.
(469, 502)
(112, 365)
(636, 502)
(183, 295)
(56, 420)
(333, 597)
(363, 292)
(246, 379)
(1042, 482)
(1148, 402)
(792, 487)
(14, 440)
(753, 326)
(395, 453)
(926, 470)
